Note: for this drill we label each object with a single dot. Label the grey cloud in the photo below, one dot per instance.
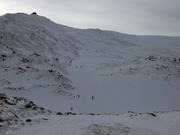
(128, 16)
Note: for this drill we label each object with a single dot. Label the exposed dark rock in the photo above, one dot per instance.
(36, 54)
(152, 114)
(29, 105)
(56, 59)
(91, 114)
(28, 120)
(3, 57)
(1, 120)
(13, 52)
(25, 60)
(3, 96)
(44, 119)
(59, 113)
(151, 58)
(51, 71)
(70, 113)
(9, 102)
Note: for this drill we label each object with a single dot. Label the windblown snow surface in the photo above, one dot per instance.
(64, 69)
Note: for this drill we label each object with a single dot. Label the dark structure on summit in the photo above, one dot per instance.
(33, 13)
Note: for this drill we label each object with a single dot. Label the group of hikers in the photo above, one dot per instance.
(92, 97)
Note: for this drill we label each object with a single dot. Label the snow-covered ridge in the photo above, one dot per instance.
(35, 33)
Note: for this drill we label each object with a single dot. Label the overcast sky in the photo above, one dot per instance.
(150, 17)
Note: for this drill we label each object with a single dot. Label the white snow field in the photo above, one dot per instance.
(164, 124)
(65, 69)
(22, 117)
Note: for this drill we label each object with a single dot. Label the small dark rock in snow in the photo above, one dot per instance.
(1, 120)
(92, 114)
(151, 58)
(3, 55)
(59, 113)
(36, 54)
(25, 60)
(13, 52)
(51, 71)
(28, 120)
(152, 114)
(44, 118)
(3, 96)
(9, 102)
(29, 105)
(70, 113)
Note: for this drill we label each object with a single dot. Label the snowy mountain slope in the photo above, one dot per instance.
(34, 54)
(100, 71)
